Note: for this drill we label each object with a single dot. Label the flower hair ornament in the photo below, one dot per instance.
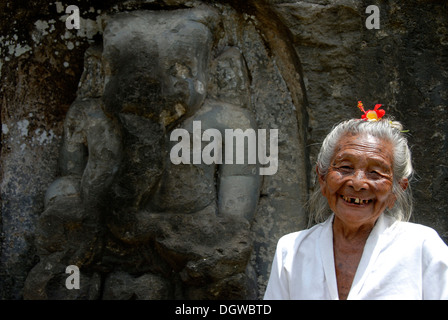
(371, 115)
(376, 114)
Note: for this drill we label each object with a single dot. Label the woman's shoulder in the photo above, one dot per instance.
(294, 239)
(416, 230)
(416, 233)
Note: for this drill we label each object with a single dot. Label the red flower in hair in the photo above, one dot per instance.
(371, 115)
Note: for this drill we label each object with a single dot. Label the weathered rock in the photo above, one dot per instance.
(122, 286)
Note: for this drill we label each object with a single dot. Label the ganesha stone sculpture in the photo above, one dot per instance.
(137, 225)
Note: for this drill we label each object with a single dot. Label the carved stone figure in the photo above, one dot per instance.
(137, 225)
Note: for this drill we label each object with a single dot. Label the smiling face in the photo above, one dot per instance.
(358, 185)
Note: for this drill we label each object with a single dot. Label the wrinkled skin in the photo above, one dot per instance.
(361, 168)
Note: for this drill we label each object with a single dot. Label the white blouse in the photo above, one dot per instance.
(401, 260)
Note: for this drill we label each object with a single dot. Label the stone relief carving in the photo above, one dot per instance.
(135, 224)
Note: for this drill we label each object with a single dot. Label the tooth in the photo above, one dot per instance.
(357, 200)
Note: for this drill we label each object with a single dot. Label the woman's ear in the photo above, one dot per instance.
(404, 183)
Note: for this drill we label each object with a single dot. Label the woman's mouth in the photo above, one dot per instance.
(356, 201)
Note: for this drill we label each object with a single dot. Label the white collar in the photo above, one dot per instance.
(371, 250)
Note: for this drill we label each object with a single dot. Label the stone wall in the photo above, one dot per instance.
(296, 66)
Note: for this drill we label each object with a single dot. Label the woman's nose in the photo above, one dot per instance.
(359, 180)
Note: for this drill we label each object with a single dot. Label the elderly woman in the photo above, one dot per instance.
(363, 248)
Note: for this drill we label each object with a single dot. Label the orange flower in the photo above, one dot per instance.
(371, 115)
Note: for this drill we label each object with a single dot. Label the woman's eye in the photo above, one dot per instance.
(375, 174)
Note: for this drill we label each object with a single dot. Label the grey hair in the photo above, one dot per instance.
(385, 129)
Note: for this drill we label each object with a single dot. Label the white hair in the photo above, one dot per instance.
(402, 165)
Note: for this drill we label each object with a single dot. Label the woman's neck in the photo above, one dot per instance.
(348, 246)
